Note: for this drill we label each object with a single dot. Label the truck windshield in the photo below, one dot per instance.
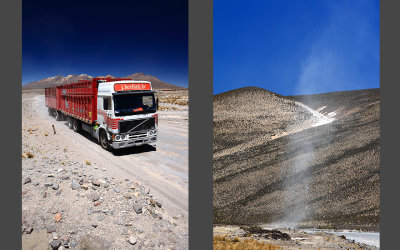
(131, 104)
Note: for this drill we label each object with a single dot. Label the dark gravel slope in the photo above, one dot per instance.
(342, 161)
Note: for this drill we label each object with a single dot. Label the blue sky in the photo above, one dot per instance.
(296, 47)
(105, 37)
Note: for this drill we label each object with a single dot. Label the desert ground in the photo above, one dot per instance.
(297, 161)
(77, 195)
(259, 238)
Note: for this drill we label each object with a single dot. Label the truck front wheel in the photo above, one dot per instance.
(104, 141)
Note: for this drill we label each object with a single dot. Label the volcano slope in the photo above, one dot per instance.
(259, 136)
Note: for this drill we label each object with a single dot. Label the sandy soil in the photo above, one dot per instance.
(102, 215)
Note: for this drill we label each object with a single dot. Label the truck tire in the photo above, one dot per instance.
(58, 115)
(76, 125)
(104, 143)
(69, 121)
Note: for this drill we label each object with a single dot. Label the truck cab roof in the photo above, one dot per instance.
(110, 88)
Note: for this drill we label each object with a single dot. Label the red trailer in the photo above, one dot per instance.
(77, 100)
(119, 112)
(51, 97)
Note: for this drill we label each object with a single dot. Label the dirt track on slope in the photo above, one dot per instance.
(161, 174)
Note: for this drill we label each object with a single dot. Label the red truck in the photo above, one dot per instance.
(119, 113)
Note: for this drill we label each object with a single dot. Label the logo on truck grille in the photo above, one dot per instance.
(136, 125)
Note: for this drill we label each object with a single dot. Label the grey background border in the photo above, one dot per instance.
(10, 103)
(200, 130)
(200, 124)
(390, 126)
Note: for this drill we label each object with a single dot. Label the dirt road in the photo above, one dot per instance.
(162, 170)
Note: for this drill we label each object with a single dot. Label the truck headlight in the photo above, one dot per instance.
(122, 137)
(117, 137)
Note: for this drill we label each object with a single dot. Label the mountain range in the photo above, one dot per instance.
(58, 80)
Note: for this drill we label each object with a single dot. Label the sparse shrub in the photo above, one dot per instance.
(88, 162)
(223, 242)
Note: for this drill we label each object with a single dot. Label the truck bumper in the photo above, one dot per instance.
(151, 140)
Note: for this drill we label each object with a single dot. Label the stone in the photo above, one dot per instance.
(106, 185)
(127, 196)
(55, 236)
(138, 208)
(35, 183)
(132, 240)
(48, 184)
(75, 185)
(136, 194)
(55, 244)
(44, 194)
(58, 217)
(29, 230)
(58, 192)
(85, 186)
(100, 217)
(24, 192)
(94, 225)
(95, 197)
(55, 186)
(96, 203)
(116, 190)
(96, 183)
(51, 229)
(27, 180)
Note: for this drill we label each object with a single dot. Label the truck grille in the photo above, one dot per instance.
(145, 124)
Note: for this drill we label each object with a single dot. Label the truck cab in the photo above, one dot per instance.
(126, 114)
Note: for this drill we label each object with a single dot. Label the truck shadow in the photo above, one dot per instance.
(119, 152)
(134, 150)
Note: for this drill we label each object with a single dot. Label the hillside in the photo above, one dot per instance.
(58, 80)
(278, 161)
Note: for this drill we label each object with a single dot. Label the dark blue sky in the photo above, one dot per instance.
(105, 37)
(296, 47)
